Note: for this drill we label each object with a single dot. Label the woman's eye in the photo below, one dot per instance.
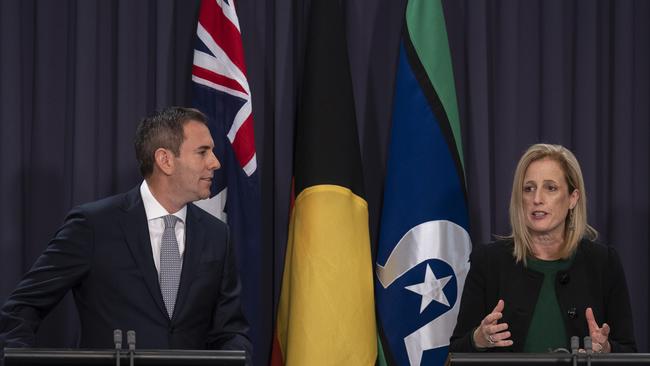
(529, 188)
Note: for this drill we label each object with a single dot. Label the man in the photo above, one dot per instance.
(147, 260)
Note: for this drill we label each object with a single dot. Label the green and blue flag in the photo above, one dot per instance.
(424, 245)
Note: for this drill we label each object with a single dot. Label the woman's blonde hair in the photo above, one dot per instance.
(576, 226)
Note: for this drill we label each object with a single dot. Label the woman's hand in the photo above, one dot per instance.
(490, 334)
(599, 335)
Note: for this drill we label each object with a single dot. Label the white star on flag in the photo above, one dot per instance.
(430, 289)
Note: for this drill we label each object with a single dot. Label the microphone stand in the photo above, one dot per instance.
(117, 339)
(575, 344)
(130, 338)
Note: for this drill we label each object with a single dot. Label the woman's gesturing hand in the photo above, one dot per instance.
(490, 334)
(599, 335)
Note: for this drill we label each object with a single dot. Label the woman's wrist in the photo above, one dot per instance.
(608, 347)
(474, 342)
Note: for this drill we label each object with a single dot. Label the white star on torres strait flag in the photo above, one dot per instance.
(430, 289)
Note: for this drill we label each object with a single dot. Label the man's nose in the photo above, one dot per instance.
(214, 163)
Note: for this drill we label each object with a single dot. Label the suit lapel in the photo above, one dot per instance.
(194, 241)
(136, 231)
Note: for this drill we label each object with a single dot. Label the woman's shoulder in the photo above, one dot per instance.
(496, 250)
(596, 250)
(593, 247)
(497, 246)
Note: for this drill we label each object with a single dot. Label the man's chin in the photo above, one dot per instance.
(201, 197)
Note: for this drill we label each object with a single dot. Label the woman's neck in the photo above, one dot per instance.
(547, 247)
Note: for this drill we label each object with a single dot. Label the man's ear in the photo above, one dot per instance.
(163, 159)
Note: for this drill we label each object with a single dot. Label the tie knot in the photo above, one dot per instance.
(170, 221)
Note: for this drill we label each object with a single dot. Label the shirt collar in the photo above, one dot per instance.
(153, 208)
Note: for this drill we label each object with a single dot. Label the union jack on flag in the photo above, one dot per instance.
(221, 91)
(219, 65)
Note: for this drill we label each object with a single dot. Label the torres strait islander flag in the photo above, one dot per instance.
(424, 245)
(220, 90)
(326, 313)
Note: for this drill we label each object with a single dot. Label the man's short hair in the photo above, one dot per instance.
(164, 129)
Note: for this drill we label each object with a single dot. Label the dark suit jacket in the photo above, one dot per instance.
(595, 279)
(103, 253)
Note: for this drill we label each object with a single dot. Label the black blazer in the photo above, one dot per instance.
(103, 253)
(595, 279)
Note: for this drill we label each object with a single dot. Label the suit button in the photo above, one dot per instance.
(572, 313)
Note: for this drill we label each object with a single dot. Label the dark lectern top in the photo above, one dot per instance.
(521, 359)
(51, 357)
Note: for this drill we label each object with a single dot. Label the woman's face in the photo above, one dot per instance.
(546, 198)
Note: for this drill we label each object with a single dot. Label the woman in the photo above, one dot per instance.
(548, 280)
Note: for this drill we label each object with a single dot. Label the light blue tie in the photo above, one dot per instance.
(170, 264)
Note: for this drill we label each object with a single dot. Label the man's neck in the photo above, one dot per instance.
(161, 192)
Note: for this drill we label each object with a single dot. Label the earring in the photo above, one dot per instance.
(572, 224)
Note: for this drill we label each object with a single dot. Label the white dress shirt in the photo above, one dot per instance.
(156, 223)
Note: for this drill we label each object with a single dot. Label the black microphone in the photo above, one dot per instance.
(575, 344)
(572, 313)
(565, 278)
(117, 339)
(130, 339)
(589, 347)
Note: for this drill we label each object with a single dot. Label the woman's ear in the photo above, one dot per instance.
(573, 199)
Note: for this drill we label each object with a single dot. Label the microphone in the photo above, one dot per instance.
(589, 347)
(117, 339)
(572, 313)
(565, 278)
(575, 344)
(130, 339)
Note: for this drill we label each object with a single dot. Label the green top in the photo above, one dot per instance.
(547, 329)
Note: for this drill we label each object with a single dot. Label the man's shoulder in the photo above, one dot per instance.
(123, 201)
(206, 218)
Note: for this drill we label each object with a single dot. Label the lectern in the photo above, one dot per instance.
(521, 359)
(53, 357)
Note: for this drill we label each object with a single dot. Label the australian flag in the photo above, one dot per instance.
(220, 90)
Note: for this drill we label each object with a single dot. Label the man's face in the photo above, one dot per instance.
(194, 167)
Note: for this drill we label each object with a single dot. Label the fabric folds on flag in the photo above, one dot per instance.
(423, 250)
(220, 90)
(326, 313)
